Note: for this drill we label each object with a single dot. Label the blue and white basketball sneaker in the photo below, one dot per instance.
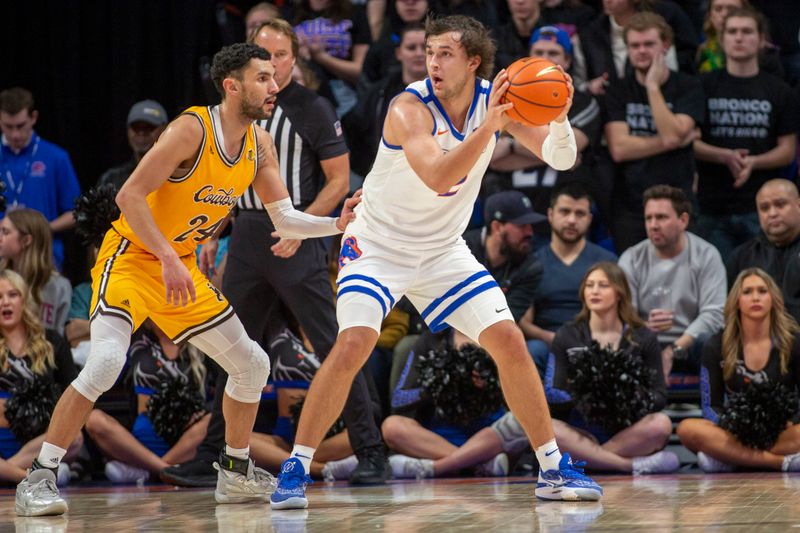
(567, 483)
(291, 490)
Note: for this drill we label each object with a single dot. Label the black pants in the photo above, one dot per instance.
(253, 282)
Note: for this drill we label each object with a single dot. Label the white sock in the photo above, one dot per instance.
(548, 456)
(304, 454)
(50, 455)
(238, 453)
(791, 463)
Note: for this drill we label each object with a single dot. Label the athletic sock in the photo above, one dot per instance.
(49, 456)
(238, 453)
(304, 454)
(548, 456)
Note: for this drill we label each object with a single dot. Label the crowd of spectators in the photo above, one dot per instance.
(682, 205)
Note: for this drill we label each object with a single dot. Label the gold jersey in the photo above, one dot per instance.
(188, 210)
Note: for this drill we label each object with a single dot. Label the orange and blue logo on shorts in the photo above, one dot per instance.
(350, 251)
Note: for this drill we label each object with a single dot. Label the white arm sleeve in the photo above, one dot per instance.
(559, 149)
(293, 224)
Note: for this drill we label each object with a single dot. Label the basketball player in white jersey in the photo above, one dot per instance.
(438, 138)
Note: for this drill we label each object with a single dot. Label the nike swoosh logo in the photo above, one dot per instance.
(548, 454)
(500, 311)
(556, 482)
(442, 132)
(303, 456)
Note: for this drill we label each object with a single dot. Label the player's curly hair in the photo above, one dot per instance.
(475, 38)
(230, 61)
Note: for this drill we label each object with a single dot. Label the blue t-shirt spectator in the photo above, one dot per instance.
(556, 301)
(40, 177)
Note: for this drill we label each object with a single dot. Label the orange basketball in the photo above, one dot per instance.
(538, 90)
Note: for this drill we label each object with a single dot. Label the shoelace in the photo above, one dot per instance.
(576, 470)
(292, 480)
(44, 487)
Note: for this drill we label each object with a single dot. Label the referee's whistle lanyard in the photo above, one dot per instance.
(14, 186)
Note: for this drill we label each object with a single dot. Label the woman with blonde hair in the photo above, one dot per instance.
(28, 354)
(759, 345)
(26, 246)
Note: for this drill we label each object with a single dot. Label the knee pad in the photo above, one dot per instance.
(511, 434)
(106, 357)
(248, 367)
(246, 363)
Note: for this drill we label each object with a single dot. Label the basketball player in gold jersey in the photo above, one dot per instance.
(176, 198)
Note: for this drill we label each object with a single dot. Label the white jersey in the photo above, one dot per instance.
(398, 207)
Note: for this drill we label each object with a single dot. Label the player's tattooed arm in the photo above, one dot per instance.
(264, 152)
(268, 184)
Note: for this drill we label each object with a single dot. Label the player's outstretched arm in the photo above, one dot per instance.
(289, 222)
(409, 124)
(554, 144)
(179, 143)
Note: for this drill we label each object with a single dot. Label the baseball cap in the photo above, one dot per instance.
(148, 111)
(511, 206)
(552, 33)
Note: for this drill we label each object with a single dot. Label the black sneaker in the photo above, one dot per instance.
(372, 469)
(194, 473)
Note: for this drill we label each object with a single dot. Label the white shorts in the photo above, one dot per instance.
(448, 286)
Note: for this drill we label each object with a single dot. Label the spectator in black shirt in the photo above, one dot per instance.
(651, 125)
(775, 249)
(747, 136)
(758, 345)
(513, 37)
(503, 246)
(364, 123)
(515, 166)
(381, 60)
(784, 20)
(603, 42)
(146, 120)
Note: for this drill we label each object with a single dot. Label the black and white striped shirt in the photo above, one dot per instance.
(306, 131)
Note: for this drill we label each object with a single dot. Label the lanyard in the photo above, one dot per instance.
(15, 187)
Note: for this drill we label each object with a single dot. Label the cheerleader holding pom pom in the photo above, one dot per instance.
(749, 378)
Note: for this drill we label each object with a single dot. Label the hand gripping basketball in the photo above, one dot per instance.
(497, 113)
(540, 91)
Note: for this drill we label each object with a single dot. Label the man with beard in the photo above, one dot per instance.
(178, 196)
(651, 120)
(677, 279)
(258, 279)
(503, 246)
(564, 262)
(418, 199)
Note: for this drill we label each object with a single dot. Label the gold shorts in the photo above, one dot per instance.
(127, 283)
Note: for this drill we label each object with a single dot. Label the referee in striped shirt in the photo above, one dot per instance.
(315, 166)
